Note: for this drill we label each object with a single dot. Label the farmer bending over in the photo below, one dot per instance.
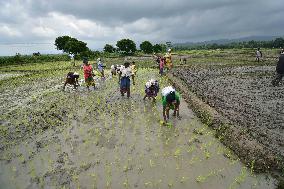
(88, 74)
(113, 70)
(72, 79)
(170, 100)
(124, 78)
(151, 89)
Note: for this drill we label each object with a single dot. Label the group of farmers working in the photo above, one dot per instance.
(170, 97)
(164, 62)
(128, 71)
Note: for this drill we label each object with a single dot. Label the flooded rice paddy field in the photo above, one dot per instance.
(98, 139)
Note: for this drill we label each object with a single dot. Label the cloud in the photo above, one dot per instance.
(8, 31)
(105, 21)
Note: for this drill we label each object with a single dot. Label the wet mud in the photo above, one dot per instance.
(244, 96)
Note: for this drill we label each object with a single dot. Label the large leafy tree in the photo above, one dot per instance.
(126, 46)
(109, 48)
(74, 46)
(278, 42)
(146, 47)
(157, 48)
(60, 42)
(71, 45)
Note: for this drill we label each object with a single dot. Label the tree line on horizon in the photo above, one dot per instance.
(128, 47)
(124, 46)
(277, 43)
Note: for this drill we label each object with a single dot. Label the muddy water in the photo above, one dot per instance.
(8, 75)
(110, 141)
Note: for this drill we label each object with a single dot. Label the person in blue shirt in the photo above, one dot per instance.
(100, 67)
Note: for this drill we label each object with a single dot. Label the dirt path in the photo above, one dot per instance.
(108, 141)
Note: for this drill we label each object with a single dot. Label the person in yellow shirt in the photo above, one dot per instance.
(168, 57)
(134, 71)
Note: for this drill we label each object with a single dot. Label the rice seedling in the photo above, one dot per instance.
(177, 152)
(193, 160)
(207, 154)
(171, 184)
(183, 179)
(147, 184)
(240, 178)
(126, 183)
(152, 163)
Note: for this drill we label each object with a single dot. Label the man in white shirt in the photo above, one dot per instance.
(124, 78)
(258, 54)
(72, 60)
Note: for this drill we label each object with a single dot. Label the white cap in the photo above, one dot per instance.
(75, 73)
(152, 81)
(167, 90)
(148, 84)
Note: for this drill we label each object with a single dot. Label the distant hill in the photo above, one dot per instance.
(226, 41)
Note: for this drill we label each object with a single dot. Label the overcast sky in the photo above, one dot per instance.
(98, 22)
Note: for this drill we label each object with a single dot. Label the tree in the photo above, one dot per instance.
(126, 46)
(74, 46)
(278, 42)
(164, 47)
(146, 47)
(60, 42)
(252, 44)
(213, 46)
(157, 48)
(18, 58)
(71, 45)
(87, 53)
(109, 48)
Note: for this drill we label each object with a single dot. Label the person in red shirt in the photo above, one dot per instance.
(88, 74)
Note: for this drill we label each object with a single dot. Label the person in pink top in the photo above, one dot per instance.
(88, 74)
(162, 65)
